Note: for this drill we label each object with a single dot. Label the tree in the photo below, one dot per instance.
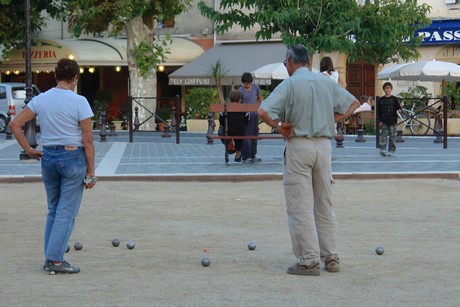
(378, 32)
(386, 31)
(12, 12)
(218, 71)
(137, 19)
(319, 25)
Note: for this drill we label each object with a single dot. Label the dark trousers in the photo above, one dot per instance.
(252, 129)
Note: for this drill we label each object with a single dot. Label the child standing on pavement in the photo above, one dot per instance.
(236, 123)
(250, 94)
(387, 117)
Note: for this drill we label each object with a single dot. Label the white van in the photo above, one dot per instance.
(12, 97)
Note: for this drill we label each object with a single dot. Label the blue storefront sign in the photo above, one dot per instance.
(441, 31)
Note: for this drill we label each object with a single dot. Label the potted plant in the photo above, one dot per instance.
(116, 120)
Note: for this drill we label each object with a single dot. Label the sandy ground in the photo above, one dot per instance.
(415, 220)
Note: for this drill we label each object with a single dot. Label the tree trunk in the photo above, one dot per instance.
(140, 86)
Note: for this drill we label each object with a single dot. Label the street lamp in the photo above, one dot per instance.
(29, 127)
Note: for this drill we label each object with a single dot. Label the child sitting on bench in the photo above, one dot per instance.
(236, 124)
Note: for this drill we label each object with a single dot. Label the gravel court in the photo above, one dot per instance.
(415, 219)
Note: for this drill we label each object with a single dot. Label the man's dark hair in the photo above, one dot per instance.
(66, 70)
(246, 77)
(387, 84)
(234, 96)
(298, 54)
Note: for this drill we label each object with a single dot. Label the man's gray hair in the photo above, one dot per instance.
(298, 54)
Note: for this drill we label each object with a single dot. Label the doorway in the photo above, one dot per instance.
(361, 79)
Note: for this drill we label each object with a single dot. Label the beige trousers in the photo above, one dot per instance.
(307, 188)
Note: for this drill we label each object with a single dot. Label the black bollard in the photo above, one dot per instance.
(112, 130)
(9, 134)
(211, 126)
(103, 122)
(166, 131)
(136, 119)
(167, 126)
(437, 128)
(339, 138)
(360, 137)
(399, 138)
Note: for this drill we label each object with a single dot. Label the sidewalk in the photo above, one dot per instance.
(153, 157)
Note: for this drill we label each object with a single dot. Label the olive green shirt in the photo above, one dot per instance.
(309, 101)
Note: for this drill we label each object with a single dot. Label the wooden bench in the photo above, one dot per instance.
(237, 107)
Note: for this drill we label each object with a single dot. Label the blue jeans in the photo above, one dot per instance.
(250, 146)
(62, 172)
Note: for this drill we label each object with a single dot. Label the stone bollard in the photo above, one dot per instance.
(360, 137)
(9, 134)
(399, 138)
(211, 126)
(136, 119)
(103, 122)
(112, 130)
(339, 138)
(438, 131)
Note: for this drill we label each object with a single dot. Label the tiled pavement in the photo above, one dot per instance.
(151, 156)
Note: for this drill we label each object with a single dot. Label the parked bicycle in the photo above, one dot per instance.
(417, 122)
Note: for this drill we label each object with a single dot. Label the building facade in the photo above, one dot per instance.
(104, 59)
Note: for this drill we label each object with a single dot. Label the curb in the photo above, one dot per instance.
(246, 177)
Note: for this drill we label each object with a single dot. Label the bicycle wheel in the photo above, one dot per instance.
(419, 124)
(403, 123)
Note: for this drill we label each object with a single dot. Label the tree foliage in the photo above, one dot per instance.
(376, 32)
(12, 19)
(386, 31)
(197, 101)
(96, 16)
(323, 25)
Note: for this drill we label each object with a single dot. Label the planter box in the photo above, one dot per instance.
(200, 125)
(453, 126)
(117, 124)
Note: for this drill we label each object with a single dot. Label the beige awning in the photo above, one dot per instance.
(92, 52)
(236, 58)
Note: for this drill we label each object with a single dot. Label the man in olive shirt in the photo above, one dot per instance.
(304, 108)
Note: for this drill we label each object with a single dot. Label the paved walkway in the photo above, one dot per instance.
(153, 157)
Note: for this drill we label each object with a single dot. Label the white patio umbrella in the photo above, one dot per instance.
(428, 71)
(386, 73)
(274, 71)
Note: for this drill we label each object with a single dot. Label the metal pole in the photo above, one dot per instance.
(130, 119)
(178, 119)
(377, 127)
(29, 127)
(444, 108)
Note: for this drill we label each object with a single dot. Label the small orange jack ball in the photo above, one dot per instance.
(205, 249)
